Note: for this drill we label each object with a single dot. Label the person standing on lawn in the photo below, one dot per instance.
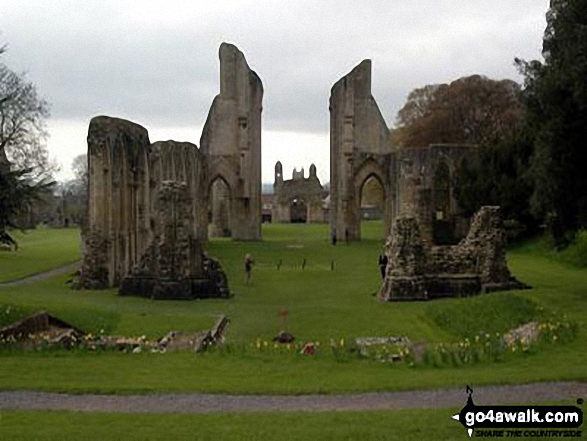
(248, 268)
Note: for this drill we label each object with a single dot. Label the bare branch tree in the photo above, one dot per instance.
(22, 124)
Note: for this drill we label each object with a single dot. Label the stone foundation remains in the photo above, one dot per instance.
(418, 271)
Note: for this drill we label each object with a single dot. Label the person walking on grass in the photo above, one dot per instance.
(248, 268)
(383, 264)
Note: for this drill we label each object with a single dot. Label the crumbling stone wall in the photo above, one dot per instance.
(361, 147)
(173, 267)
(419, 195)
(417, 270)
(231, 141)
(308, 191)
(147, 215)
(118, 200)
(129, 176)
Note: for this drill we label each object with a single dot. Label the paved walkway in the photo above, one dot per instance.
(64, 269)
(208, 403)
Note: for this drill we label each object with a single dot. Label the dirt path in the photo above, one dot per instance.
(208, 403)
(64, 269)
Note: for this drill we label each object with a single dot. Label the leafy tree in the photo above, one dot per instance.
(556, 100)
(500, 175)
(470, 110)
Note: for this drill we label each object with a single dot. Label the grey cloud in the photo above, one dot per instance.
(160, 64)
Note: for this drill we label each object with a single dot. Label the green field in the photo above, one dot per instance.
(39, 250)
(378, 425)
(322, 304)
(404, 425)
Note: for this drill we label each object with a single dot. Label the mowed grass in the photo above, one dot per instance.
(322, 303)
(374, 425)
(39, 250)
(404, 425)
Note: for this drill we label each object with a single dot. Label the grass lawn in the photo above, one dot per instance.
(404, 425)
(40, 250)
(322, 303)
(379, 425)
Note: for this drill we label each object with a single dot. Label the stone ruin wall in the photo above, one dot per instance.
(418, 194)
(174, 265)
(356, 127)
(309, 190)
(128, 176)
(231, 141)
(419, 271)
(126, 173)
(361, 146)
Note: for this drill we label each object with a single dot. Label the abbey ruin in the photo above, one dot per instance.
(148, 202)
(152, 206)
(420, 271)
(415, 181)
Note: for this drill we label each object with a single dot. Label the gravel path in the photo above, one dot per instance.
(64, 269)
(208, 403)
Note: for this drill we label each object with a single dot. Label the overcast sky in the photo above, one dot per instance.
(156, 63)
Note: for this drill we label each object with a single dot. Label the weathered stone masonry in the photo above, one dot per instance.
(148, 203)
(416, 182)
(420, 271)
(231, 141)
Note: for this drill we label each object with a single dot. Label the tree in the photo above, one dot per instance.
(17, 193)
(73, 195)
(556, 101)
(22, 124)
(79, 166)
(470, 110)
(500, 175)
(24, 165)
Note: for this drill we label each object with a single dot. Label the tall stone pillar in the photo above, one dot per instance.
(118, 195)
(231, 140)
(357, 128)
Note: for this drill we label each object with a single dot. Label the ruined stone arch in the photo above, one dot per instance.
(372, 169)
(298, 210)
(231, 140)
(219, 207)
(361, 145)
